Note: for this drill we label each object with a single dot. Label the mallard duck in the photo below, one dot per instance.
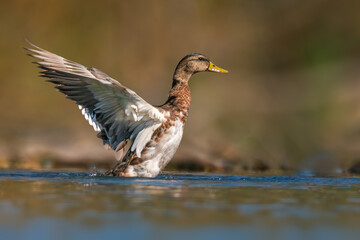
(120, 116)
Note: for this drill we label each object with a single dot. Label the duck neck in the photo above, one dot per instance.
(179, 95)
(179, 90)
(181, 75)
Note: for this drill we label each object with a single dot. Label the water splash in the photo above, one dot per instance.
(94, 171)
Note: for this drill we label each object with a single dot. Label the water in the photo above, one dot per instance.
(77, 205)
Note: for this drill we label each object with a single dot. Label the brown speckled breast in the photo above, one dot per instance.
(177, 105)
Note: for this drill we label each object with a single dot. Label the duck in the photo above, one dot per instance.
(144, 137)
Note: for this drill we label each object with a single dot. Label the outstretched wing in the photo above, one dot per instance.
(115, 111)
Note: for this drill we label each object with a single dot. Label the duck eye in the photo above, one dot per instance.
(202, 59)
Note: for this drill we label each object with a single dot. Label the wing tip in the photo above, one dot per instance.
(30, 43)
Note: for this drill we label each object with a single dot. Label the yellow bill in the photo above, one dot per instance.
(214, 68)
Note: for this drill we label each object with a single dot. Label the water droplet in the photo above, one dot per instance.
(93, 171)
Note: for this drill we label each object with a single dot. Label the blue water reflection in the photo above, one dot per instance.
(79, 205)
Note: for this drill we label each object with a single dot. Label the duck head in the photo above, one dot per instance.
(194, 63)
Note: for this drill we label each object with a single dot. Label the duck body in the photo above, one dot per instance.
(121, 117)
(164, 141)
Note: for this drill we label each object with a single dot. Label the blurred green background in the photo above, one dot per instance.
(290, 101)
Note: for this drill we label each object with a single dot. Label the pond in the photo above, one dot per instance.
(79, 205)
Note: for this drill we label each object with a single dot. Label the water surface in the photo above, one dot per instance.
(78, 205)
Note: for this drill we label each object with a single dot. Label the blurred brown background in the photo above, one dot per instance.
(290, 101)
